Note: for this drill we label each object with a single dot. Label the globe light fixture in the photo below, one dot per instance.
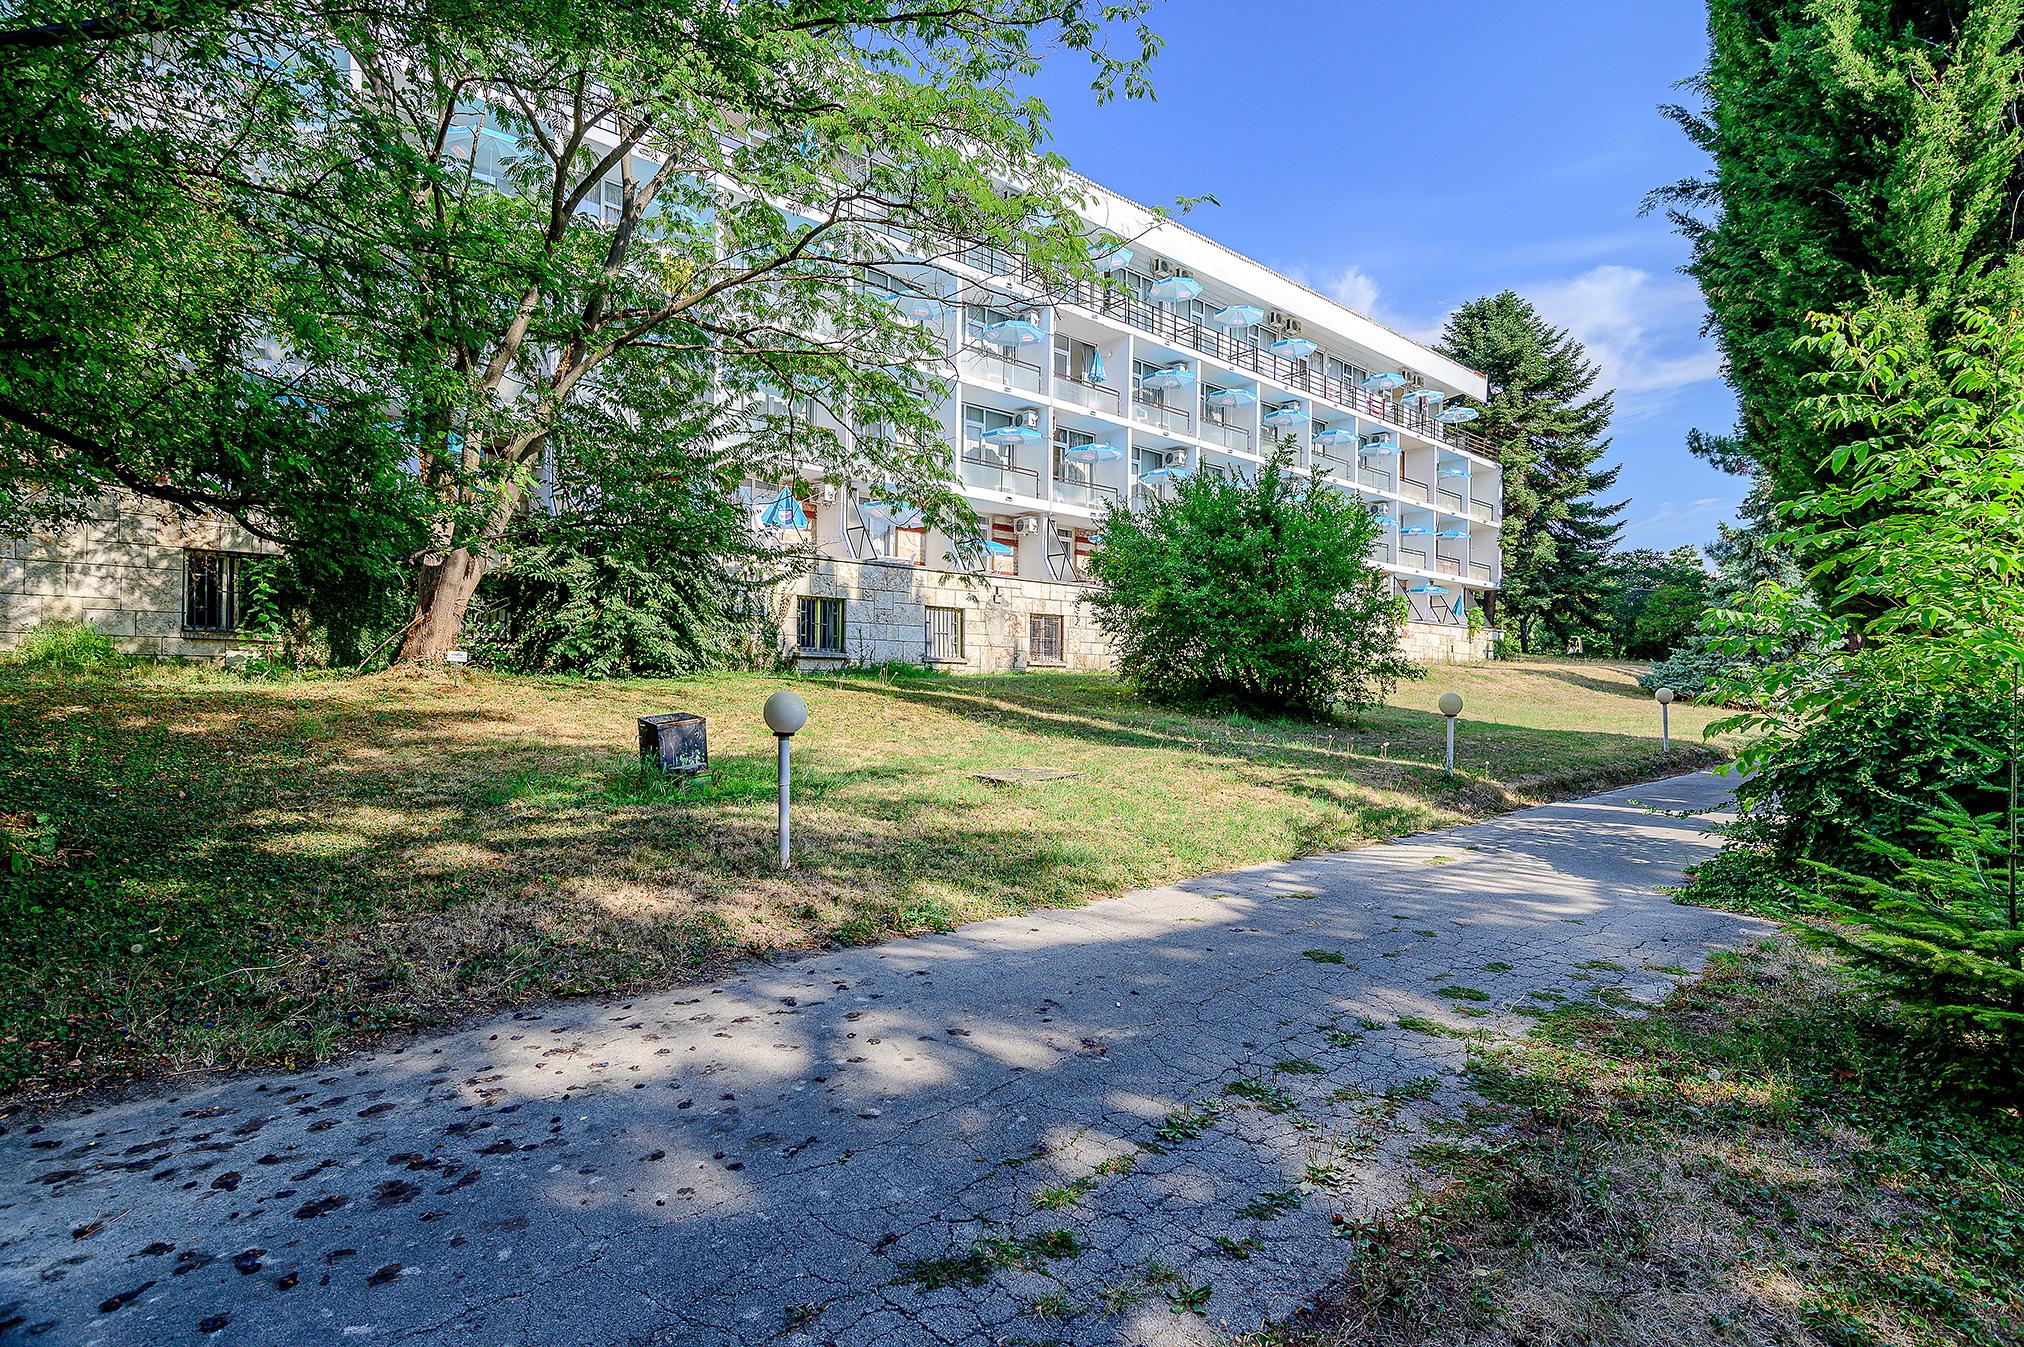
(1451, 707)
(785, 714)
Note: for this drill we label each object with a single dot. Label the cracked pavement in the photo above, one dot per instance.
(1142, 1121)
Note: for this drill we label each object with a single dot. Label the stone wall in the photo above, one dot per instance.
(1430, 644)
(121, 570)
(886, 617)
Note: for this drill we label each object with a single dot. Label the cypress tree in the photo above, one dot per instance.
(1863, 149)
(1550, 431)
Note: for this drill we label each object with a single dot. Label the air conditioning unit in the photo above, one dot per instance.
(1291, 327)
(1026, 525)
(827, 494)
(1028, 416)
(1280, 322)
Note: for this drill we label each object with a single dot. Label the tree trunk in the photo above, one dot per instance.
(444, 593)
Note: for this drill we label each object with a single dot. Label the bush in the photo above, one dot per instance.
(69, 647)
(1260, 595)
(1872, 767)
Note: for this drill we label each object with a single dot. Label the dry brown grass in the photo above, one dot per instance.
(234, 872)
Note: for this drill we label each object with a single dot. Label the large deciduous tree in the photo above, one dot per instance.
(1550, 430)
(1863, 150)
(304, 262)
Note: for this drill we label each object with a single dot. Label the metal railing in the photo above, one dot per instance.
(1447, 565)
(1300, 376)
(1412, 557)
(1372, 477)
(1418, 491)
(1005, 370)
(1479, 570)
(1451, 499)
(1230, 437)
(1085, 394)
(1145, 408)
(1090, 495)
(1482, 511)
(992, 474)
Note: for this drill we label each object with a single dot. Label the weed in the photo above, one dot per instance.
(1462, 993)
(1323, 955)
(1270, 1206)
(1264, 1094)
(1064, 1195)
(1297, 1066)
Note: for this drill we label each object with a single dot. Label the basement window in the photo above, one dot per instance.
(211, 592)
(1043, 637)
(818, 626)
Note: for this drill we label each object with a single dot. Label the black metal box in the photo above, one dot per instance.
(675, 742)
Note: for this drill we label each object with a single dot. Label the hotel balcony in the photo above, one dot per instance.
(988, 469)
(1147, 408)
(1229, 437)
(1096, 397)
(1088, 495)
(988, 365)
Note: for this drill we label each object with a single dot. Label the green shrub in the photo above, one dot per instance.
(1257, 595)
(1696, 670)
(69, 647)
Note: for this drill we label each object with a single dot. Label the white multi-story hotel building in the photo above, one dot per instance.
(1194, 359)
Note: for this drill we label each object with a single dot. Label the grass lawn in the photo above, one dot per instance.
(203, 870)
(1769, 1157)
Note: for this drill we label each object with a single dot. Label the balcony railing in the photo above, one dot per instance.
(1372, 477)
(1230, 437)
(992, 366)
(1483, 511)
(1447, 565)
(1090, 495)
(1414, 490)
(990, 474)
(1227, 349)
(1175, 420)
(1409, 556)
(1085, 394)
(1479, 570)
(1452, 500)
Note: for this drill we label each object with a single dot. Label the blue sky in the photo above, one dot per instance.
(1409, 158)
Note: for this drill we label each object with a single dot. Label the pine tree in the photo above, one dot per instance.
(1551, 435)
(1863, 149)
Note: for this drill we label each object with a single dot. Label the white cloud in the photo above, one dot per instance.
(1358, 289)
(1673, 522)
(1643, 330)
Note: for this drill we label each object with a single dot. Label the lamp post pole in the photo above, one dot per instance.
(1664, 697)
(785, 714)
(1451, 707)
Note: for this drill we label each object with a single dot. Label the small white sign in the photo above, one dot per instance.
(456, 657)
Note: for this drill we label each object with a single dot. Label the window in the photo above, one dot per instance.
(818, 626)
(1072, 359)
(977, 422)
(945, 633)
(210, 592)
(1043, 636)
(610, 201)
(1068, 469)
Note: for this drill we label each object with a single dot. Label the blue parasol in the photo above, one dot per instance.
(1429, 396)
(1380, 448)
(1013, 332)
(1293, 348)
(1286, 414)
(1095, 372)
(1451, 533)
(1010, 435)
(1174, 290)
(1234, 316)
(1424, 588)
(1169, 376)
(1172, 472)
(1455, 416)
(920, 308)
(1454, 470)
(1110, 259)
(1416, 531)
(997, 549)
(1382, 382)
(785, 512)
(1093, 452)
(1229, 397)
(1336, 436)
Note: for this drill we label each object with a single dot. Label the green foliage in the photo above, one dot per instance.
(1652, 600)
(1551, 434)
(349, 275)
(1893, 723)
(68, 647)
(1862, 150)
(1261, 595)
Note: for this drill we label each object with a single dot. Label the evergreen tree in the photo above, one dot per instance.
(1550, 434)
(1862, 149)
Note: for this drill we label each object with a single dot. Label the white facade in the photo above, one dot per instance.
(1091, 378)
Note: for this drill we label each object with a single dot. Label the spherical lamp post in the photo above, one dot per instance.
(1664, 696)
(1451, 707)
(785, 713)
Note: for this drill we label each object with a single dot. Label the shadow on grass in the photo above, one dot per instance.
(242, 875)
